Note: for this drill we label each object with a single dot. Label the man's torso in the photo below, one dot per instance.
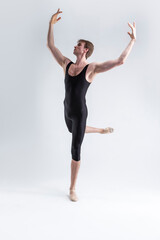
(90, 74)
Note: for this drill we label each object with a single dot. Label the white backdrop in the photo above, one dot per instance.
(35, 145)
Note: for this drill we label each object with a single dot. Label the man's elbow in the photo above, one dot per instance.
(120, 63)
(48, 45)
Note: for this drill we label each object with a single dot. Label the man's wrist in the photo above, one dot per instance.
(51, 24)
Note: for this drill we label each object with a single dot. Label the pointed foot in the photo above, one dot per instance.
(107, 130)
(73, 197)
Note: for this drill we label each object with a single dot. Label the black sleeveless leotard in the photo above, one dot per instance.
(75, 109)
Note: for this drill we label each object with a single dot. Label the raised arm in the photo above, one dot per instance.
(105, 66)
(50, 44)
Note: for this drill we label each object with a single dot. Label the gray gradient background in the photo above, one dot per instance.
(34, 141)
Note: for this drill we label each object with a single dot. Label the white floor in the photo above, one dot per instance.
(45, 212)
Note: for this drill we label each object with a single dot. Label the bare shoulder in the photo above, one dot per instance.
(92, 66)
(90, 74)
(64, 65)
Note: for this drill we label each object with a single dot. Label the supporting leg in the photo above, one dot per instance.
(75, 165)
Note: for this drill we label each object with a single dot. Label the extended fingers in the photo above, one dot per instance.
(59, 11)
(132, 26)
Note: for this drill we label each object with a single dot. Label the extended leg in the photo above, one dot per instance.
(93, 130)
(98, 130)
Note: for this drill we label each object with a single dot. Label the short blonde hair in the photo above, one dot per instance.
(88, 45)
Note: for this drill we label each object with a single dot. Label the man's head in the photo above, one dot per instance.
(84, 46)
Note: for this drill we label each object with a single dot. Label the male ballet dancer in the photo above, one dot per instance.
(79, 76)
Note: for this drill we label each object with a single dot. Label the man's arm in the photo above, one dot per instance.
(105, 66)
(126, 52)
(50, 44)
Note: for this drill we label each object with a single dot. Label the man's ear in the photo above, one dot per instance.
(87, 49)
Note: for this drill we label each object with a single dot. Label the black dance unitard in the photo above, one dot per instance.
(75, 109)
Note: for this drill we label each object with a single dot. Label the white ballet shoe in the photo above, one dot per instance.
(107, 130)
(73, 196)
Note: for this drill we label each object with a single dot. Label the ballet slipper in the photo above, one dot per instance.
(107, 130)
(73, 196)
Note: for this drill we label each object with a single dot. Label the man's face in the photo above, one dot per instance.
(79, 48)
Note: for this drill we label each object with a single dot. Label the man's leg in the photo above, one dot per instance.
(75, 165)
(98, 130)
(93, 130)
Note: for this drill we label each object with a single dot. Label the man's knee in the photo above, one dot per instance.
(76, 153)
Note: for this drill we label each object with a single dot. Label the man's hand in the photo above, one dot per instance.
(133, 27)
(54, 18)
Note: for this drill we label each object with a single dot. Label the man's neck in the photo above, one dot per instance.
(81, 61)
